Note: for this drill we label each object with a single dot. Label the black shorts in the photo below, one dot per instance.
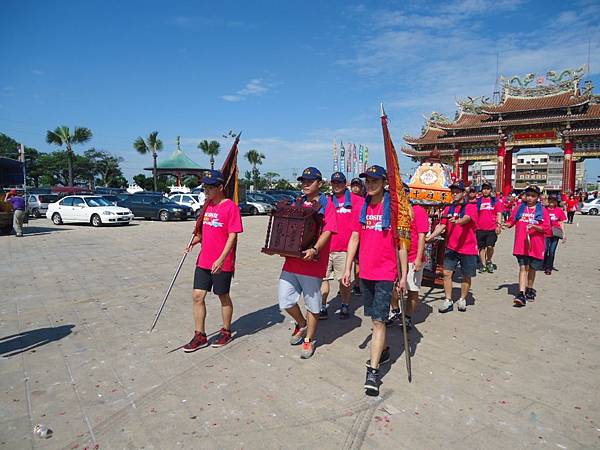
(486, 238)
(533, 263)
(468, 263)
(219, 283)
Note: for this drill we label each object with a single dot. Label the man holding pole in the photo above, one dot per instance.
(379, 266)
(215, 265)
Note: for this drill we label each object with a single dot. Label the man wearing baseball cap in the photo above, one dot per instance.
(532, 224)
(489, 226)
(216, 262)
(345, 204)
(304, 276)
(459, 220)
(378, 267)
(18, 204)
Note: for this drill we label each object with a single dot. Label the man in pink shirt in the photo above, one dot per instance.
(216, 262)
(532, 225)
(344, 203)
(416, 260)
(460, 221)
(304, 276)
(489, 226)
(378, 266)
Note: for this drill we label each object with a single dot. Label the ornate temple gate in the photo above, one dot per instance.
(533, 112)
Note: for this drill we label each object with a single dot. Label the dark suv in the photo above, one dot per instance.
(154, 206)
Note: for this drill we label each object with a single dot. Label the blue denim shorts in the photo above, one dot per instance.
(533, 263)
(468, 263)
(377, 296)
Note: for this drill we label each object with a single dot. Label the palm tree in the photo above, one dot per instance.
(270, 176)
(210, 148)
(62, 136)
(254, 158)
(152, 144)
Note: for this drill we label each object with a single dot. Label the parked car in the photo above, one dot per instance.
(260, 197)
(63, 191)
(592, 207)
(87, 209)
(109, 191)
(192, 200)
(290, 193)
(245, 208)
(154, 206)
(111, 198)
(37, 204)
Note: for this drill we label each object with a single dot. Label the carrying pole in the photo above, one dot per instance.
(170, 287)
(402, 303)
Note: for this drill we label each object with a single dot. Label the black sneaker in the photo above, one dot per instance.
(385, 357)
(520, 300)
(490, 267)
(344, 313)
(394, 316)
(323, 314)
(372, 382)
(530, 294)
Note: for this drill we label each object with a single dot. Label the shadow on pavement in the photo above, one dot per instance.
(511, 288)
(257, 321)
(333, 328)
(28, 340)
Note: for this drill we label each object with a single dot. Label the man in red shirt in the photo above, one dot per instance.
(215, 265)
(379, 266)
(459, 220)
(304, 276)
(489, 226)
(345, 203)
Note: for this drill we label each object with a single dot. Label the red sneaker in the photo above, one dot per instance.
(198, 341)
(223, 338)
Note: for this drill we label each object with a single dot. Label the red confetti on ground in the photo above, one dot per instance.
(503, 402)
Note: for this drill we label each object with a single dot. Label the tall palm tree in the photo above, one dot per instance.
(151, 145)
(62, 136)
(270, 176)
(211, 149)
(255, 158)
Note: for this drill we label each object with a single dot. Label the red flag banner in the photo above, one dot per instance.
(401, 214)
(230, 172)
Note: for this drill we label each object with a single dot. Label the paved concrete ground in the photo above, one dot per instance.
(76, 302)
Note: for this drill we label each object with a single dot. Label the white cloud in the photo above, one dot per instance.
(37, 72)
(254, 87)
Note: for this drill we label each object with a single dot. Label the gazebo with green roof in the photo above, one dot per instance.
(178, 164)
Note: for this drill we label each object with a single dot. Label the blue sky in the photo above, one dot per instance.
(292, 75)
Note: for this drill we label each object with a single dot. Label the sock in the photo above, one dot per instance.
(345, 304)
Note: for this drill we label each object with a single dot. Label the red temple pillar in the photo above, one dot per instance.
(508, 157)
(457, 163)
(573, 176)
(464, 172)
(500, 167)
(568, 181)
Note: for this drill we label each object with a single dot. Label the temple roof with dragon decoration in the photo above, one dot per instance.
(532, 111)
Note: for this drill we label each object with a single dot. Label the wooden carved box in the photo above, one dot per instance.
(292, 229)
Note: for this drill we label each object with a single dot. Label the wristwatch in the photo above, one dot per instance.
(316, 251)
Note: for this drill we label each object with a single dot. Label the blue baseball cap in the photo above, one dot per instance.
(310, 173)
(213, 177)
(460, 185)
(338, 177)
(374, 172)
(357, 181)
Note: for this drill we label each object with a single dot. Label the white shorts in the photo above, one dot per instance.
(336, 266)
(414, 279)
(291, 285)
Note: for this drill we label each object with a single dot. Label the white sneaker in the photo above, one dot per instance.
(446, 306)
(462, 305)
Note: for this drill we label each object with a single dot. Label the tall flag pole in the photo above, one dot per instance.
(355, 162)
(401, 215)
(361, 158)
(335, 156)
(366, 162)
(342, 167)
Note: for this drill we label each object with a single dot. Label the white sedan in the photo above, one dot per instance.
(87, 209)
(194, 201)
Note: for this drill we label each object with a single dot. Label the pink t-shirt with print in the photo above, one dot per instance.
(219, 221)
(377, 252)
(461, 238)
(316, 268)
(488, 214)
(344, 217)
(536, 245)
(420, 224)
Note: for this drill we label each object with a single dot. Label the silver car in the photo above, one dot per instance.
(37, 204)
(592, 207)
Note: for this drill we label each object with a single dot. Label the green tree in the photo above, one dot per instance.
(211, 149)
(62, 136)
(256, 159)
(270, 178)
(151, 145)
(106, 167)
